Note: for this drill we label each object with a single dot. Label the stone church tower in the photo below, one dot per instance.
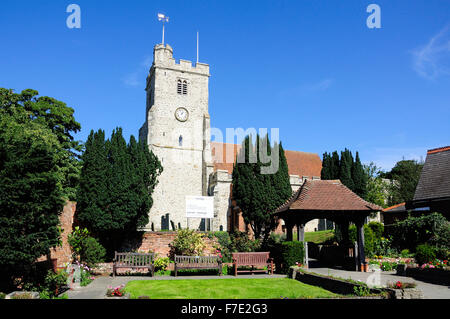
(177, 130)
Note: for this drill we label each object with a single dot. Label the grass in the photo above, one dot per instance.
(319, 236)
(264, 288)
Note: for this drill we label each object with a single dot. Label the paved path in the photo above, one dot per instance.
(97, 288)
(430, 291)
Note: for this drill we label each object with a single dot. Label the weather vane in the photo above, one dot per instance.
(163, 18)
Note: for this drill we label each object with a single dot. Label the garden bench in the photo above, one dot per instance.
(197, 262)
(254, 260)
(133, 261)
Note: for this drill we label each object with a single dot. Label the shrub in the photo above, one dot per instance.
(377, 229)
(55, 280)
(161, 264)
(292, 252)
(188, 242)
(405, 253)
(2, 295)
(369, 244)
(425, 253)
(240, 242)
(224, 241)
(413, 231)
(85, 248)
(93, 252)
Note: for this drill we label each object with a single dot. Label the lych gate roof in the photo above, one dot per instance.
(326, 195)
(434, 180)
(299, 163)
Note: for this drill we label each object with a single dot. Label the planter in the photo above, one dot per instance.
(435, 276)
(408, 293)
(23, 295)
(338, 286)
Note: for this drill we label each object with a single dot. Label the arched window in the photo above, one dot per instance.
(180, 140)
(185, 87)
(179, 87)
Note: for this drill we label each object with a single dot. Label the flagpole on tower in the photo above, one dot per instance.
(163, 18)
(197, 46)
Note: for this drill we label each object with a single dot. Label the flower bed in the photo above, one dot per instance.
(117, 292)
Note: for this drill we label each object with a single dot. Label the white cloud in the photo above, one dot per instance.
(433, 60)
(138, 77)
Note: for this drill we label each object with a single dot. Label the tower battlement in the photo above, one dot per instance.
(163, 58)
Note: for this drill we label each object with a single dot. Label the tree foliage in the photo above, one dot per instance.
(55, 115)
(405, 176)
(36, 163)
(347, 169)
(116, 184)
(258, 194)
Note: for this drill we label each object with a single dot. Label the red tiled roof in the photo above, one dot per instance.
(439, 149)
(299, 163)
(327, 195)
(393, 207)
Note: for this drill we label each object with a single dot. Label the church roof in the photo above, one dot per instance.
(434, 180)
(299, 163)
(326, 195)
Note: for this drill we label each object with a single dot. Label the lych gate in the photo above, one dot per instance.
(331, 200)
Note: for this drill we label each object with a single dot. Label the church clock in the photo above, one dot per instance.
(181, 114)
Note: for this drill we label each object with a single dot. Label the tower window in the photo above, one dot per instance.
(180, 140)
(182, 87)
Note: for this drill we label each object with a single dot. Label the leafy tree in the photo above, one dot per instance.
(377, 189)
(405, 175)
(59, 118)
(30, 192)
(38, 169)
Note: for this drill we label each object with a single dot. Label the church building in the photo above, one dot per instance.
(177, 130)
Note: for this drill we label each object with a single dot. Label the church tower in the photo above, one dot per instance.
(177, 131)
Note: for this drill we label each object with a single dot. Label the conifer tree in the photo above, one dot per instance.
(335, 165)
(359, 177)
(116, 184)
(325, 174)
(345, 173)
(257, 194)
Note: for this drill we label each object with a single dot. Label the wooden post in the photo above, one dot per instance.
(289, 228)
(301, 232)
(360, 237)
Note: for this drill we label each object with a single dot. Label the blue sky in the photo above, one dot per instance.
(311, 68)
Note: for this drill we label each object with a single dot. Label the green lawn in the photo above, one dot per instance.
(273, 288)
(319, 236)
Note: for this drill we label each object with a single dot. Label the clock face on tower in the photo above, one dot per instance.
(181, 114)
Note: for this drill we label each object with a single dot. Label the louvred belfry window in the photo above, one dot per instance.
(179, 87)
(184, 87)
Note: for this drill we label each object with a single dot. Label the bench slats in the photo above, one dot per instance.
(133, 260)
(252, 259)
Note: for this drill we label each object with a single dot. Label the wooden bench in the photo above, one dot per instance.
(197, 262)
(133, 261)
(254, 260)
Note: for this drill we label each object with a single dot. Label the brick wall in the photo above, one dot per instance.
(63, 253)
(158, 242)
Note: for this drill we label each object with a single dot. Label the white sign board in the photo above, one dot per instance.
(199, 206)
